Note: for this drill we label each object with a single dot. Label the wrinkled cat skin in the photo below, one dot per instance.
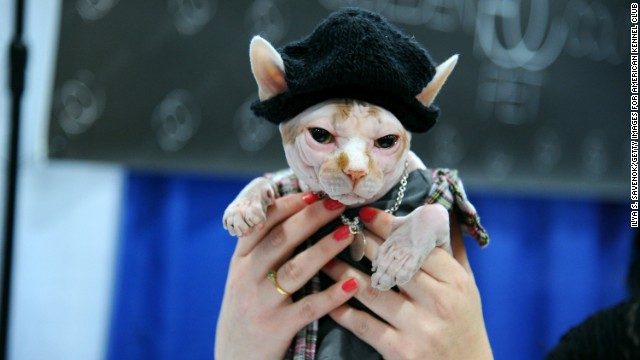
(354, 152)
(347, 165)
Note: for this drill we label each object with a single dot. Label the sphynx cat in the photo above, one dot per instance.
(354, 152)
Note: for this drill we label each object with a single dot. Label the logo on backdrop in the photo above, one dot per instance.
(175, 120)
(79, 102)
(190, 16)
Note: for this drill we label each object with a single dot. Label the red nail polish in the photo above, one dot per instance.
(341, 233)
(367, 214)
(310, 198)
(331, 204)
(350, 285)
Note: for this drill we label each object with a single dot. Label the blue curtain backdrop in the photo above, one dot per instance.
(551, 263)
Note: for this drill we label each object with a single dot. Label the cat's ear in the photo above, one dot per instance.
(267, 67)
(428, 94)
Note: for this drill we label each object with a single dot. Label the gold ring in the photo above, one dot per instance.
(273, 276)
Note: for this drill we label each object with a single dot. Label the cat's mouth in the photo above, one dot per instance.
(345, 199)
(350, 199)
(341, 189)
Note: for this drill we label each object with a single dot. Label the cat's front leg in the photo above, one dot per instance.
(249, 209)
(412, 238)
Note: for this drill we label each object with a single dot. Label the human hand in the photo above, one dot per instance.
(438, 314)
(256, 321)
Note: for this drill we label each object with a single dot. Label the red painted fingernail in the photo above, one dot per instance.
(331, 204)
(350, 285)
(310, 198)
(367, 214)
(341, 233)
(330, 264)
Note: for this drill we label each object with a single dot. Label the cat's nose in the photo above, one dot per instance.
(355, 175)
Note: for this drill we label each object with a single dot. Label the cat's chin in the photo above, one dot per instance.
(350, 199)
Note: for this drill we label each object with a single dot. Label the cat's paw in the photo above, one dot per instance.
(413, 237)
(242, 216)
(249, 210)
(395, 264)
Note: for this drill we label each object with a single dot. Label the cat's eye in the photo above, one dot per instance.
(386, 142)
(321, 135)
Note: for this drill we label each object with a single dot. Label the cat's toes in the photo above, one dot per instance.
(241, 221)
(254, 216)
(386, 267)
(236, 225)
(382, 281)
(396, 267)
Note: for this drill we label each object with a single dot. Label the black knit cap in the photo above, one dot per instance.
(355, 54)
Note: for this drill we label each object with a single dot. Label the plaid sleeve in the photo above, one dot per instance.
(448, 191)
(285, 181)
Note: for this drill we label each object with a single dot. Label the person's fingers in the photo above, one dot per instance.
(281, 209)
(278, 244)
(385, 304)
(312, 307)
(438, 270)
(440, 265)
(296, 272)
(457, 243)
(372, 245)
(378, 221)
(369, 329)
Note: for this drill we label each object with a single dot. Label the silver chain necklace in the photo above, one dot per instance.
(357, 230)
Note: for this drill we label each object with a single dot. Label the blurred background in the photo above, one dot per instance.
(136, 134)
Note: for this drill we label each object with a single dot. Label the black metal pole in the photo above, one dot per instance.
(18, 60)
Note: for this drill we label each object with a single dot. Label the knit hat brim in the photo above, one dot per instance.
(355, 54)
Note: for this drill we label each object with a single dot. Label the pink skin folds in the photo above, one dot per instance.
(347, 165)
